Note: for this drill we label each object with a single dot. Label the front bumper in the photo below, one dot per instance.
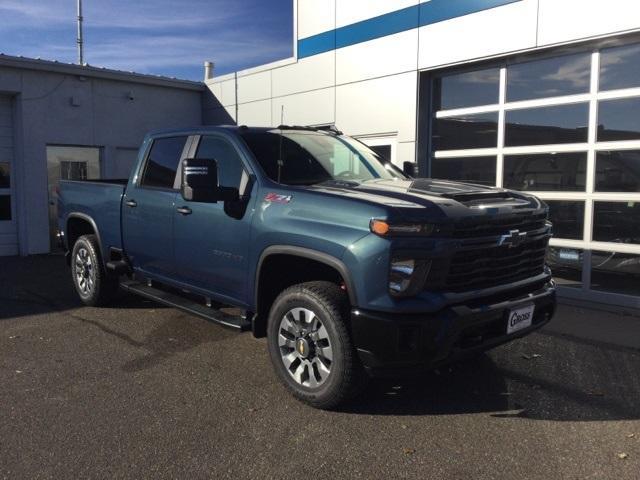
(389, 344)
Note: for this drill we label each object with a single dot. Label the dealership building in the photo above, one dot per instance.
(536, 95)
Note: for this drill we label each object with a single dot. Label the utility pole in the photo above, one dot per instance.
(79, 39)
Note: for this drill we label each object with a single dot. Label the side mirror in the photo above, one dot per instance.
(410, 169)
(200, 182)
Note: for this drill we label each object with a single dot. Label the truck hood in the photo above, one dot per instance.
(419, 198)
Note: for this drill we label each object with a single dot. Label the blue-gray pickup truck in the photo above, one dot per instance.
(348, 266)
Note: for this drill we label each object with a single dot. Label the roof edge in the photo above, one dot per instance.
(97, 72)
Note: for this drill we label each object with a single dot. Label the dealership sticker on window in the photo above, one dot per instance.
(277, 198)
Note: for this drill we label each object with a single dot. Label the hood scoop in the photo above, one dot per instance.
(470, 195)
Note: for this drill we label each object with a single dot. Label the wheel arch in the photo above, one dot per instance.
(78, 224)
(317, 264)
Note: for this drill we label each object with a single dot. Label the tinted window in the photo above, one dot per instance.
(5, 207)
(616, 222)
(620, 67)
(567, 218)
(466, 131)
(473, 169)
(5, 175)
(546, 171)
(615, 272)
(619, 119)
(618, 171)
(162, 162)
(467, 89)
(566, 265)
(550, 77)
(230, 166)
(547, 125)
(383, 150)
(307, 157)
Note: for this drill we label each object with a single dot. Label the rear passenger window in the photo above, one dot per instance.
(162, 162)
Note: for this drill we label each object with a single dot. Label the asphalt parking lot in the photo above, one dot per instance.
(140, 391)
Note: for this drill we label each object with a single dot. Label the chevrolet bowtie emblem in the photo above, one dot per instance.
(512, 239)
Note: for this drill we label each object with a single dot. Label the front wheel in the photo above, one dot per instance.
(310, 345)
(94, 285)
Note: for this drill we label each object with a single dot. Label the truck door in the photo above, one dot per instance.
(149, 205)
(210, 246)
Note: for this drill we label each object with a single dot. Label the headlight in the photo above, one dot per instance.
(383, 228)
(407, 276)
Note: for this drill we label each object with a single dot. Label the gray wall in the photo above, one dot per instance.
(69, 109)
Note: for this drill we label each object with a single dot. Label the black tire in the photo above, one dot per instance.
(330, 307)
(94, 285)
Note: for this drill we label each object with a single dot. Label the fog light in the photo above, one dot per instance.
(407, 276)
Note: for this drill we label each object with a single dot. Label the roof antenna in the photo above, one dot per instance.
(79, 39)
(280, 160)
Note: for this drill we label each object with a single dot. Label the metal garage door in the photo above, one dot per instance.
(8, 221)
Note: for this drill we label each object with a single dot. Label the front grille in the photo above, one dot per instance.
(489, 267)
(498, 225)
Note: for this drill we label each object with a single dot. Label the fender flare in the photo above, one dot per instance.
(91, 221)
(310, 254)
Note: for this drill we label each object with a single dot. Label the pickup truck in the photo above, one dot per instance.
(347, 265)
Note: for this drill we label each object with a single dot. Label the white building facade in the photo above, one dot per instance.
(535, 95)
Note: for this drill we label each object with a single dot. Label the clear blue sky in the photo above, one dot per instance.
(163, 37)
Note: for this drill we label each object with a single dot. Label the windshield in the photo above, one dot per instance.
(309, 157)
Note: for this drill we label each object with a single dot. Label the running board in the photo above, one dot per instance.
(214, 315)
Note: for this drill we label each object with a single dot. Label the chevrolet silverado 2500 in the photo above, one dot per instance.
(348, 266)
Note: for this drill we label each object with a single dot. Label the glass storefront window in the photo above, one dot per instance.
(470, 169)
(620, 67)
(550, 77)
(618, 119)
(468, 89)
(466, 131)
(547, 125)
(615, 272)
(5, 175)
(567, 217)
(546, 171)
(618, 171)
(566, 265)
(617, 222)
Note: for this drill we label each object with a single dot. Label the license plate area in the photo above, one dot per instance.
(519, 318)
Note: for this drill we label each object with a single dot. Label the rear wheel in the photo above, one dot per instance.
(95, 286)
(310, 345)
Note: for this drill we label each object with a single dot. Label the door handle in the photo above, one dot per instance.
(184, 210)
(131, 203)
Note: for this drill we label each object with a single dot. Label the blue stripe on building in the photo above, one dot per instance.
(408, 18)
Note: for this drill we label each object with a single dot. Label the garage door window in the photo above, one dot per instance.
(5, 175)
(549, 77)
(565, 127)
(546, 172)
(620, 67)
(5, 207)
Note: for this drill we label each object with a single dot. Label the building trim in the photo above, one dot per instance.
(426, 13)
(96, 72)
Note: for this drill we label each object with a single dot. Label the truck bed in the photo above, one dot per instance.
(99, 200)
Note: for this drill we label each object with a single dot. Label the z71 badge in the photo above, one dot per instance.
(277, 198)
